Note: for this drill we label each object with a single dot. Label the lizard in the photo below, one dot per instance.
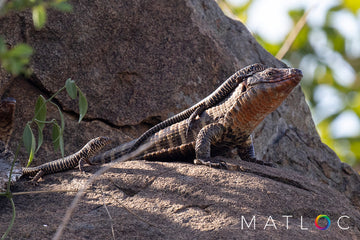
(220, 129)
(69, 162)
(215, 97)
(7, 113)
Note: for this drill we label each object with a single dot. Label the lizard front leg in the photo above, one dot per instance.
(208, 135)
(82, 162)
(37, 177)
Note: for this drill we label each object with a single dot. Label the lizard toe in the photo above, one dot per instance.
(211, 162)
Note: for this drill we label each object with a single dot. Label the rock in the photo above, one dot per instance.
(6, 160)
(161, 200)
(139, 62)
(7, 114)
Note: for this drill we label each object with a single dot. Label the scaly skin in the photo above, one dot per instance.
(214, 98)
(7, 112)
(221, 128)
(69, 162)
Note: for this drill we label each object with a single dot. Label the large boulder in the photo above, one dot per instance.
(139, 62)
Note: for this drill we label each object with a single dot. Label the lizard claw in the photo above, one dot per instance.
(211, 163)
(33, 183)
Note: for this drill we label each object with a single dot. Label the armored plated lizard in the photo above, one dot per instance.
(226, 126)
(69, 162)
(214, 98)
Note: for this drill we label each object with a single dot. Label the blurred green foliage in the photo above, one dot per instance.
(15, 60)
(325, 52)
(38, 8)
(39, 120)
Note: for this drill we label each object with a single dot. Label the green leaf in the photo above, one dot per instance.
(19, 5)
(62, 121)
(40, 137)
(40, 112)
(61, 144)
(20, 50)
(29, 142)
(39, 16)
(16, 59)
(40, 117)
(83, 105)
(58, 139)
(62, 6)
(56, 134)
(27, 137)
(71, 88)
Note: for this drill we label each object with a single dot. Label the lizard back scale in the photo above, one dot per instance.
(227, 125)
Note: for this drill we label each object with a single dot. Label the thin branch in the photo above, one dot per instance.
(111, 219)
(46, 191)
(292, 35)
(12, 219)
(137, 216)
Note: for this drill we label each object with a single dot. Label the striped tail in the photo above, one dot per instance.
(69, 162)
(113, 154)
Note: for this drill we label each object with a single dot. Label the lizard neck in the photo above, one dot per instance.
(248, 110)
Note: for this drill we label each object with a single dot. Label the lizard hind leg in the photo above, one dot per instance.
(82, 162)
(208, 135)
(192, 117)
(37, 177)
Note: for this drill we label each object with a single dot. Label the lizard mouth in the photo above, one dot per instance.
(294, 75)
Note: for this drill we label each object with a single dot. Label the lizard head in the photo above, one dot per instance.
(96, 144)
(262, 93)
(274, 81)
(7, 105)
(100, 142)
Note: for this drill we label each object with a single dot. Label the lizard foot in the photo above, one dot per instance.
(82, 164)
(32, 182)
(35, 180)
(211, 162)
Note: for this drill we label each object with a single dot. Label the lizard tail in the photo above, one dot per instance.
(113, 154)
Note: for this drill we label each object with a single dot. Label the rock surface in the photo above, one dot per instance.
(139, 62)
(6, 160)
